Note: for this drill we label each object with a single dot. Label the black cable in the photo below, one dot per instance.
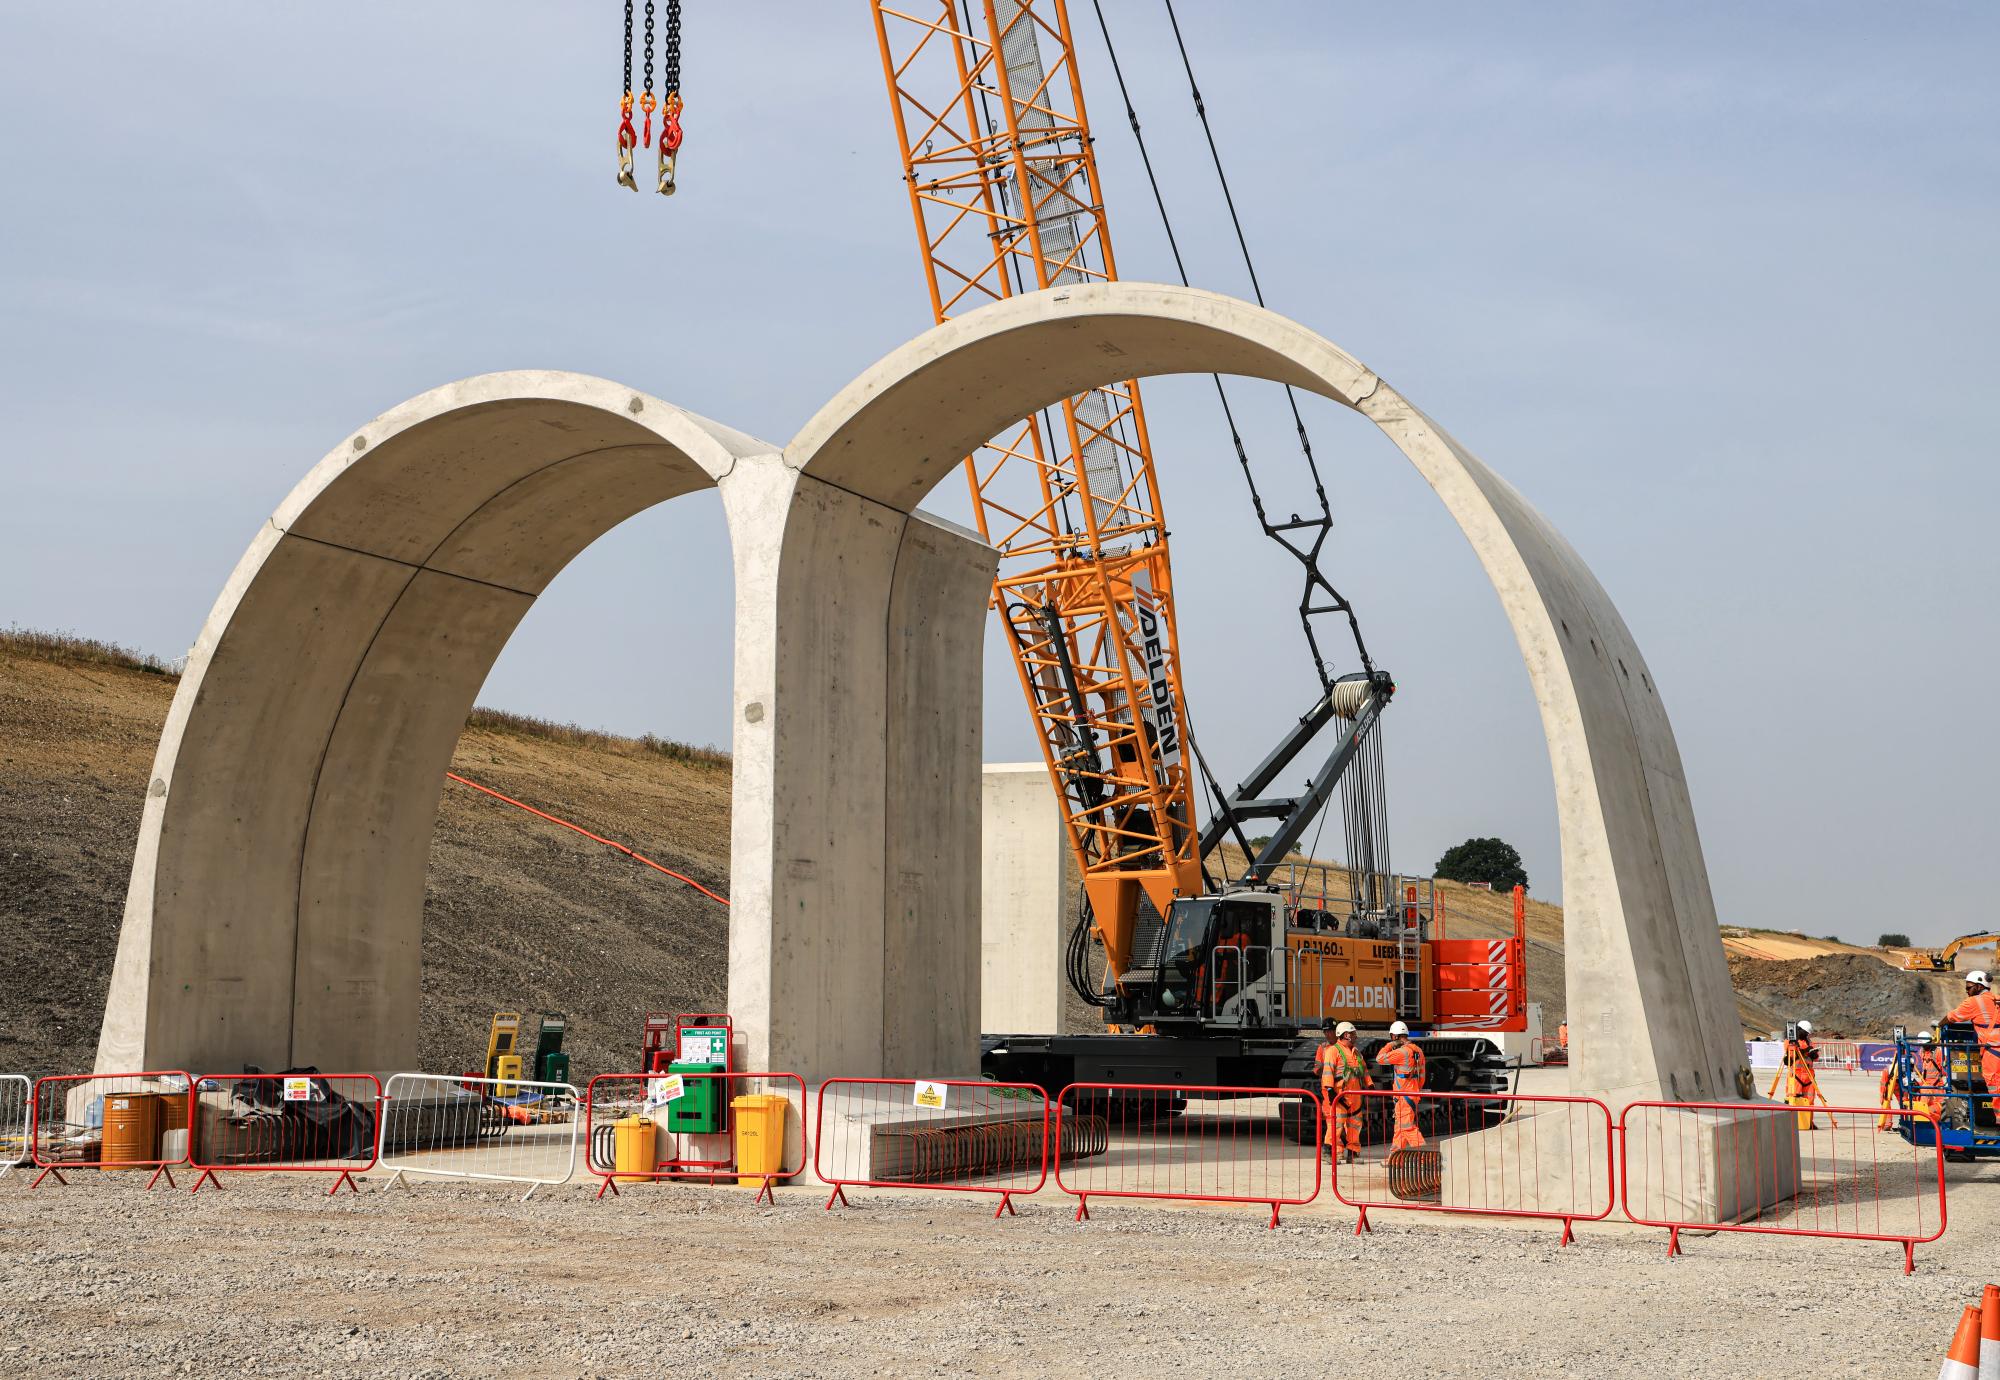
(1307, 554)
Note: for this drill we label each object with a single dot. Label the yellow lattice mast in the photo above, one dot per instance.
(1004, 190)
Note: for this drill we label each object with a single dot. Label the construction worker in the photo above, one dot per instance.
(1891, 1097)
(1801, 1078)
(1562, 1037)
(1343, 1073)
(1932, 1080)
(1983, 1012)
(1406, 1057)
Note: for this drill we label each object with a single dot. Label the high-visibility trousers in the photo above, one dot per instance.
(1343, 1120)
(1989, 1069)
(1802, 1098)
(1407, 1137)
(1892, 1101)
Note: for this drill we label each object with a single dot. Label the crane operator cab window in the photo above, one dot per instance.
(1215, 947)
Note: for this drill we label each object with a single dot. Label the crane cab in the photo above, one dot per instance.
(1281, 957)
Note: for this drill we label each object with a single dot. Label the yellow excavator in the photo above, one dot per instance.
(1945, 960)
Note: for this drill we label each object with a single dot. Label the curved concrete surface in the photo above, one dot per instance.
(1650, 1002)
(276, 897)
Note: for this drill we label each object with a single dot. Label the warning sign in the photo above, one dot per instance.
(660, 1091)
(930, 1094)
(299, 1090)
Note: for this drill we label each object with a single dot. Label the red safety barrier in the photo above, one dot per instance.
(1477, 1154)
(289, 1123)
(1838, 1056)
(947, 1133)
(110, 1121)
(1717, 1166)
(1193, 1143)
(695, 1127)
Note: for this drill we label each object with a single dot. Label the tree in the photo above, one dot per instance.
(1892, 941)
(1493, 861)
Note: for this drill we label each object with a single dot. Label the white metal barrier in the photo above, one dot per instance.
(510, 1131)
(15, 1101)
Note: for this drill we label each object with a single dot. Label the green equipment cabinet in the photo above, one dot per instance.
(703, 1106)
(551, 1063)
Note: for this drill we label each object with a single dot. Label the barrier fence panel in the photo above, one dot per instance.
(16, 1096)
(110, 1121)
(1489, 1156)
(1547, 1049)
(506, 1131)
(1195, 1143)
(695, 1128)
(1830, 1172)
(947, 1133)
(295, 1123)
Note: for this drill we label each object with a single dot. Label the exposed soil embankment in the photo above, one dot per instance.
(518, 914)
(1848, 994)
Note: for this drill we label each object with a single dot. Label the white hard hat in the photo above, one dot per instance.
(1806, 1026)
(1923, 1037)
(1344, 1028)
(1977, 976)
(1398, 1028)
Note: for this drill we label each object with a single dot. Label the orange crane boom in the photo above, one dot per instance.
(1005, 195)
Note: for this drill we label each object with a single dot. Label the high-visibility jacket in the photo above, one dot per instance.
(1340, 1069)
(1984, 1012)
(1799, 1056)
(1562, 1035)
(1408, 1062)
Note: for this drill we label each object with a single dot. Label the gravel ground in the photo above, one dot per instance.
(271, 1278)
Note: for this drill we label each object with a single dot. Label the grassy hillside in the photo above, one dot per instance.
(518, 914)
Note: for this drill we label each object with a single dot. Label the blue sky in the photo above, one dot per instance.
(1713, 284)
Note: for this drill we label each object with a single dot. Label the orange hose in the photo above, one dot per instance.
(594, 838)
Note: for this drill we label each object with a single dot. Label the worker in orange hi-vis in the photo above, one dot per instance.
(1562, 1035)
(1343, 1073)
(1932, 1080)
(1891, 1096)
(1983, 1011)
(1800, 1076)
(1406, 1057)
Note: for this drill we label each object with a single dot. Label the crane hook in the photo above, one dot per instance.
(628, 139)
(670, 141)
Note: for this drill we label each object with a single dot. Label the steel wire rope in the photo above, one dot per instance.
(1307, 556)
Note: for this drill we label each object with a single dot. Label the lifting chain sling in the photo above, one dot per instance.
(668, 104)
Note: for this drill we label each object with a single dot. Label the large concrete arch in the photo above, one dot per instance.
(276, 896)
(275, 907)
(1648, 983)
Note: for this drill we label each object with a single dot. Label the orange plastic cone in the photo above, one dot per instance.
(1989, 1334)
(1962, 1361)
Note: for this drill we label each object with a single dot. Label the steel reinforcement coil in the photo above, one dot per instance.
(997, 1147)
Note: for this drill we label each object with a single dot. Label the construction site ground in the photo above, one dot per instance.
(272, 1277)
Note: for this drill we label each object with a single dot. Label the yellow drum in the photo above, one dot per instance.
(760, 1135)
(632, 1148)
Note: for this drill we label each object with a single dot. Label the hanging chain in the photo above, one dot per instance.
(628, 137)
(646, 101)
(670, 103)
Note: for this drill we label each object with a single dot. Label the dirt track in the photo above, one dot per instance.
(272, 1278)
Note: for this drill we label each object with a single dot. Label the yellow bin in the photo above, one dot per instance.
(632, 1148)
(760, 1135)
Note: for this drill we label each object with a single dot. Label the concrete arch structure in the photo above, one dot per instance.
(1648, 982)
(322, 699)
(274, 913)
